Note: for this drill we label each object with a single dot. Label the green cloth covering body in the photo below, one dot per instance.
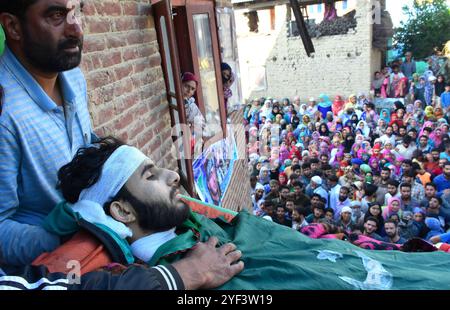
(278, 257)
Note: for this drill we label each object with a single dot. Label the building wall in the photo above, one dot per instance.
(122, 66)
(342, 64)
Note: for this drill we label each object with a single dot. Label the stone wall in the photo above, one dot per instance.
(342, 64)
(122, 66)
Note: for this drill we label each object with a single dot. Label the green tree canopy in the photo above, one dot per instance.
(427, 26)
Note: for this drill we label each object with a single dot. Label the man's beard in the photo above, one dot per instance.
(159, 216)
(342, 198)
(48, 59)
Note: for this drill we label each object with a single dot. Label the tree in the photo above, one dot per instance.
(427, 27)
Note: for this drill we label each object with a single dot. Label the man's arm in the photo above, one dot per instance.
(132, 278)
(19, 243)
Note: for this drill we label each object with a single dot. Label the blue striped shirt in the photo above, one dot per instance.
(36, 138)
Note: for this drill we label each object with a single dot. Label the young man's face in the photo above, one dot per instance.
(390, 229)
(370, 227)
(296, 216)
(434, 203)
(385, 175)
(392, 190)
(435, 156)
(290, 205)
(405, 192)
(314, 166)
(284, 193)
(447, 171)
(189, 89)
(51, 35)
(280, 212)
(307, 172)
(315, 200)
(329, 216)
(430, 191)
(318, 212)
(157, 190)
(343, 194)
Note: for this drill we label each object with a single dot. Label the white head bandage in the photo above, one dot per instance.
(115, 173)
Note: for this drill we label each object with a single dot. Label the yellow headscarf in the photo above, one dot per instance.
(429, 111)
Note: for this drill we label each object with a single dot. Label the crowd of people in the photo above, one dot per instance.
(347, 164)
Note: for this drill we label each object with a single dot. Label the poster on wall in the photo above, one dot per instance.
(387, 103)
(213, 170)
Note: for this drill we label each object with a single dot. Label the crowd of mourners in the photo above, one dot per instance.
(352, 170)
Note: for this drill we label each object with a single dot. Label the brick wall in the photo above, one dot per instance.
(342, 64)
(122, 66)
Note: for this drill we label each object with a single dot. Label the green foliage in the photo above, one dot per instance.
(428, 26)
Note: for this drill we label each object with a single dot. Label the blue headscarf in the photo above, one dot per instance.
(326, 102)
(388, 117)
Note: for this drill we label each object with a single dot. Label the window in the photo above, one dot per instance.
(344, 4)
(311, 9)
(319, 8)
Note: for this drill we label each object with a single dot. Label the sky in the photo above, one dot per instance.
(395, 9)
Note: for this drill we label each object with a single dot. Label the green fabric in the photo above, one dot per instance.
(62, 221)
(123, 244)
(2, 40)
(277, 257)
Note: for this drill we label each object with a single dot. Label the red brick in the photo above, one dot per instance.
(108, 8)
(93, 44)
(130, 53)
(143, 22)
(105, 115)
(123, 71)
(89, 9)
(123, 121)
(155, 60)
(115, 40)
(97, 25)
(122, 88)
(145, 138)
(137, 130)
(96, 61)
(123, 136)
(99, 79)
(135, 37)
(124, 24)
(141, 66)
(111, 59)
(146, 51)
(130, 8)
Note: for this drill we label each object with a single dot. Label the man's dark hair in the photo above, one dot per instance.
(410, 174)
(439, 199)
(407, 161)
(85, 170)
(329, 210)
(407, 140)
(284, 187)
(333, 178)
(373, 219)
(393, 183)
(326, 167)
(370, 189)
(429, 129)
(305, 166)
(296, 183)
(316, 195)
(432, 185)
(345, 188)
(314, 161)
(405, 185)
(392, 222)
(301, 210)
(295, 167)
(16, 7)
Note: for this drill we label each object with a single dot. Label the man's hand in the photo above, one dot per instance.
(206, 266)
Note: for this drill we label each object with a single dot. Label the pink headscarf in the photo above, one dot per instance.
(387, 212)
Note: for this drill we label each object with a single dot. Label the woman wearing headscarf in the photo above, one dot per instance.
(324, 105)
(266, 110)
(264, 175)
(338, 105)
(302, 110)
(429, 90)
(440, 85)
(417, 90)
(393, 207)
(323, 130)
(365, 130)
(429, 114)
(385, 115)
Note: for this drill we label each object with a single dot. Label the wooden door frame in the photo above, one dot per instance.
(164, 7)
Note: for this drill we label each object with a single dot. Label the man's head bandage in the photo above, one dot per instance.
(116, 171)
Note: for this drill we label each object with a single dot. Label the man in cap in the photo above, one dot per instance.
(316, 186)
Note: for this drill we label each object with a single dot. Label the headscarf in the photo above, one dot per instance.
(386, 118)
(285, 178)
(338, 105)
(429, 112)
(264, 179)
(366, 130)
(325, 102)
(387, 212)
